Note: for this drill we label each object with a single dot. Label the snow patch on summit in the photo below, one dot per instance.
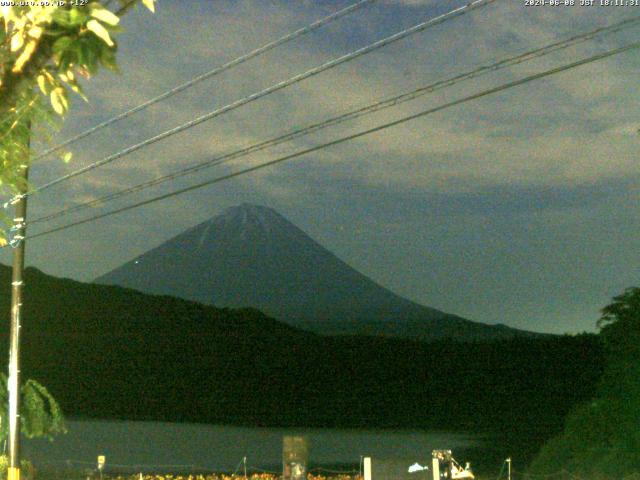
(246, 216)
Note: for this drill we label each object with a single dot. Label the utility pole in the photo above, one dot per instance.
(17, 284)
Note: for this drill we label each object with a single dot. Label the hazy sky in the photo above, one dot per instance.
(519, 208)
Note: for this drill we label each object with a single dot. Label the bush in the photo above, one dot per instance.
(27, 472)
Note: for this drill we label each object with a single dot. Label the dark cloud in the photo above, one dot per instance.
(519, 208)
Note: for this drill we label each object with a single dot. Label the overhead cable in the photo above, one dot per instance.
(347, 138)
(216, 71)
(377, 106)
(274, 88)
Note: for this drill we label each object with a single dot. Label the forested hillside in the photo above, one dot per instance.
(110, 352)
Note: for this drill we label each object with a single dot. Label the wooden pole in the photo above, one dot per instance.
(17, 287)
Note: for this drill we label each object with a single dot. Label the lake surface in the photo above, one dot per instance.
(153, 446)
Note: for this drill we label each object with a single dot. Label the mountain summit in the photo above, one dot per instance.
(251, 256)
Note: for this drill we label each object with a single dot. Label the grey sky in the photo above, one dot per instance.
(520, 208)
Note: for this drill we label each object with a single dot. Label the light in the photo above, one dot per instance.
(416, 467)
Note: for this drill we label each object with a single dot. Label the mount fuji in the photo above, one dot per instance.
(251, 256)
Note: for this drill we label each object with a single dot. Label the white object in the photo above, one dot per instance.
(367, 468)
(416, 467)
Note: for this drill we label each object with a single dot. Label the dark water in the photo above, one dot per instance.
(153, 446)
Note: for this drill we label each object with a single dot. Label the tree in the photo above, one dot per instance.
(601, 438)
(41, 416)
(620, 321)
(44, 48)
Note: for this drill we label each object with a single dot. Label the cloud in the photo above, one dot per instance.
(411, 3)
(550, 113)
(529, 155)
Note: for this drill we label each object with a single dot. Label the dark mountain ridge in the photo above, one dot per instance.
(251, 256)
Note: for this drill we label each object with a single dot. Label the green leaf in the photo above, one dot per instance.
(42, 84)
(61, 16)
(108, 59)
(59, 100)
(77, 17)
(101, 32)
(78, 89)
(66, 158)
(24, 57)
(61, 44)
(40, 416)
(17, 40)
(35, 32)
(150, 5)
(89, 49)
(105, 15)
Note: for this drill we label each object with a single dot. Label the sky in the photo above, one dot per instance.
(519, 208)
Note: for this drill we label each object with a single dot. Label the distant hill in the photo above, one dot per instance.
(251, 256)
(111, 352)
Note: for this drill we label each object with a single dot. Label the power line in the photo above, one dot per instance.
(217, 70)
(475, 96)
(274, 88)
(387, 103)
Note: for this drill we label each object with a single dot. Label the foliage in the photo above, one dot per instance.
(27, 472)
(40, 414)
(210, 476)
(620, 322)
(111, 352)
(44, 49)
(601, 437)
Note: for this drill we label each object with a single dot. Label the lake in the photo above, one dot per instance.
(154, 446)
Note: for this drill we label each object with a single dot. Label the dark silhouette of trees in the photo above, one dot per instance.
(601, 437)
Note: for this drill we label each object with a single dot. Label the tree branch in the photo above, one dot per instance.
(126, 6)
(12, 83)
